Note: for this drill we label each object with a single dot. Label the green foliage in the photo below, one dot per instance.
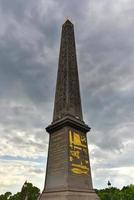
(126, 193)
(109, 194)
(28, 192)
(15, 196)
(5, 196)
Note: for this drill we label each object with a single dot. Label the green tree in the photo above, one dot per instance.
(28, 192)
(127, 193)
(15, 196)
(5, 196)
(31, 192)
(112, 193)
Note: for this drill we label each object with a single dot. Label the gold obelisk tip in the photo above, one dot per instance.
(67, 21)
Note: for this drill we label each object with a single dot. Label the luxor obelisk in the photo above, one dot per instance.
(68, 173)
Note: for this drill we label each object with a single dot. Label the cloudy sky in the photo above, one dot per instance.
(29, 47)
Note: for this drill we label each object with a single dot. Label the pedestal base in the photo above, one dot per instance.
(69, 195)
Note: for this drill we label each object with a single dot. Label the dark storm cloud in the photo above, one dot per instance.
(23, 68)
(30, 47)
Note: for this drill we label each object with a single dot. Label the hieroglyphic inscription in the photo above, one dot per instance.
(78, 153)
(57, 153)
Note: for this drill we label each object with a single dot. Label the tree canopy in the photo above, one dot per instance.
(112, 193)
(30, 192)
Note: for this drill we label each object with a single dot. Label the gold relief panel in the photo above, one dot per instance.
(78, 153)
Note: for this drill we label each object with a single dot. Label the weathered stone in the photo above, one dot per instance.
(67, 97)
(69, 195)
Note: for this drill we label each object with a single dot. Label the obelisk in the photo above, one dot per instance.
(68, 172)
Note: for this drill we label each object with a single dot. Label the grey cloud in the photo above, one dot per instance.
(36, 171)
(24, 71)
(106, 69)
(122, 158)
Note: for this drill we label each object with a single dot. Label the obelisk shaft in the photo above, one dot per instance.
(67, 97)
(68, 173)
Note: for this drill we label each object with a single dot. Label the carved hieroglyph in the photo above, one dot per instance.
(78, 153)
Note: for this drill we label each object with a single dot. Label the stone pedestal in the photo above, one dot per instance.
(70, 195)
(68, 174)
